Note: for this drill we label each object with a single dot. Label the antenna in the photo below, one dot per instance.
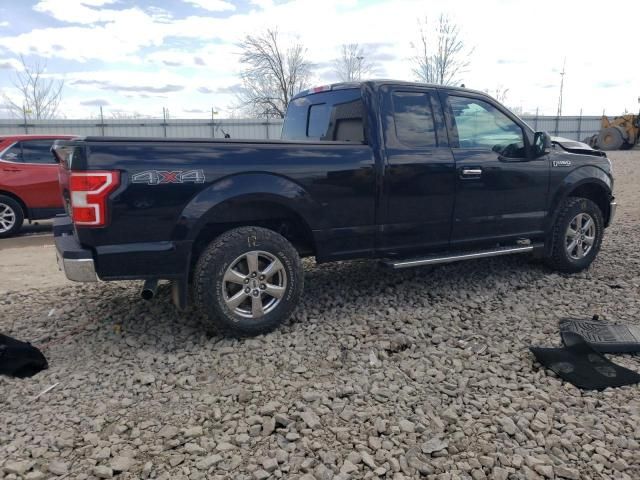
(564, 62)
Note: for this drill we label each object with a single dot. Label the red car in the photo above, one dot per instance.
(28, 180)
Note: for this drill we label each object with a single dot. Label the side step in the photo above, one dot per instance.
(449, 258)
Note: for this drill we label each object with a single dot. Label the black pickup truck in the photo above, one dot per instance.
(407, 173)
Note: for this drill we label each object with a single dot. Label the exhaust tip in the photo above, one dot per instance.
(147, 294)
(149, 289)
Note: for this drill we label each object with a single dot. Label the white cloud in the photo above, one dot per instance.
(212, 5)
(78, 11)
(4, 24)
(264, 4)
(10, 64)
(519, 58)
(116, 40)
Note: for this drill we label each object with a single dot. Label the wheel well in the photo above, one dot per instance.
(267, 215)
(25, 210)
(596, 194)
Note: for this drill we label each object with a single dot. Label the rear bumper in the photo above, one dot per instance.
(76, 262)
(147, 261)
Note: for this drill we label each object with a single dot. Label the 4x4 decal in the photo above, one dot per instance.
(159, 177)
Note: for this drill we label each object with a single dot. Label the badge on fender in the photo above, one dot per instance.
(159, 177)
(561, 163)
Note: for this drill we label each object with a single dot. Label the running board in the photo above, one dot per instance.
(435, 259)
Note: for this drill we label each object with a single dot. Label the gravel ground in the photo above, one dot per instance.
(379, 375)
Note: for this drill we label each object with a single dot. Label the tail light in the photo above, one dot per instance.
(89, 193)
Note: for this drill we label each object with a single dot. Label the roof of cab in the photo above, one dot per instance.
(377, 84)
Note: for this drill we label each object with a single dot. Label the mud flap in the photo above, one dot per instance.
(180, 293)
(603, 337)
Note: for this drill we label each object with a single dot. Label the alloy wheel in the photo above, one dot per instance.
(7, 218)
(253, 284)
(580, 236)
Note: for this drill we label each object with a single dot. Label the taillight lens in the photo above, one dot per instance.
(89, 194)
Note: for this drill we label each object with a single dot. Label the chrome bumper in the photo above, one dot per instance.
(78, 269)
(75, 261)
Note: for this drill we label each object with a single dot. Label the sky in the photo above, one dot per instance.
(142, 55)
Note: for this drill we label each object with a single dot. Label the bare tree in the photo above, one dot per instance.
(500, 93)
(444, 59)
(40, 94)
(272, 74)
(354, 63)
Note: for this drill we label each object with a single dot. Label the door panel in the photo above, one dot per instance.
(419, 172)
(504, 199)
(500, 192)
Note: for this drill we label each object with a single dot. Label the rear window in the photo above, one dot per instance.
(328, 116)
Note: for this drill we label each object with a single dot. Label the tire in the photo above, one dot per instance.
(11, 216)
(610, 139)
(591, 140)
(565, 256)
(224, 274)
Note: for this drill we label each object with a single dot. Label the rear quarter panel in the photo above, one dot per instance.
(330, 185)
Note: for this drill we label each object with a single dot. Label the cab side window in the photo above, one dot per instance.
(480, 125)
(37, 151)
(13, 154)
(333, 116)
(337, 122)
(413, 119)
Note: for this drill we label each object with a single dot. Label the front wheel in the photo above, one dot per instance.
(11, 216)
(576, 236)
(248, 281)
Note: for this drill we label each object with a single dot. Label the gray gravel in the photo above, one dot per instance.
(379, 375)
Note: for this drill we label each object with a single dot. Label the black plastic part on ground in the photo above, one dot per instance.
(20, 359)
(582, 366)
(603, 337)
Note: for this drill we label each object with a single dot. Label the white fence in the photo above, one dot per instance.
(576, 128)
(255, 129)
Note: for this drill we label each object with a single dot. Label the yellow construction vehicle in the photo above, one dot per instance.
(622, 132)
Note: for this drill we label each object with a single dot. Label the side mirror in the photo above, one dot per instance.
(541, 144)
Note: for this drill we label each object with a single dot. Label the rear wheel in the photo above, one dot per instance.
(576, 236)
(248, 281)
(11, 216)
(610, 139)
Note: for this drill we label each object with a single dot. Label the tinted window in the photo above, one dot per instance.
(318, 120)
(14, 154)
(481, 125)
(37, 151)
(413, 119)
(328, 116)
(295, 121)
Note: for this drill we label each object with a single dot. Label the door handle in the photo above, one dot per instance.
(10, 169)
(471, 172)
